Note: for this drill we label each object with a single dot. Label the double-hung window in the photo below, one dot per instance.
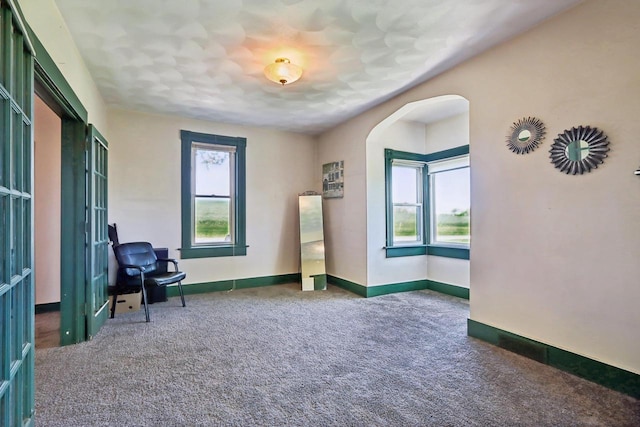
(213, 195)
(407, 199)
(428, 203)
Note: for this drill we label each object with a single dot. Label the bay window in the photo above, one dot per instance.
(428, 203)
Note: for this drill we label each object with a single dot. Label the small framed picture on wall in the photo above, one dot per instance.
(333, 180)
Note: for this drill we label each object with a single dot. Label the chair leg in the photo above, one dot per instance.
(144, 299)
(181, 293)
(113, 304)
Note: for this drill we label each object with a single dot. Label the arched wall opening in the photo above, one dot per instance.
(422, 127)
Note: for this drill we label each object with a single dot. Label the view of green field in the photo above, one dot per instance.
(212, 223)
(212, 220)
(451, 227)
(405, 227)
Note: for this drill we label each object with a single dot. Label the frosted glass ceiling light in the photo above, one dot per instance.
(283, 71)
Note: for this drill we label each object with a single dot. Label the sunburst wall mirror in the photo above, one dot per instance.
(526, 134)
(578, 150)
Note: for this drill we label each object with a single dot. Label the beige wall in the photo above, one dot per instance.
(404, 136)
(447, 133)
(47, 131)
(553, 257)
(345, 218)
(144, 191)
(45, 20)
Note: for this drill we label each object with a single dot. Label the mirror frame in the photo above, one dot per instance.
(598, 148)
(534, 126)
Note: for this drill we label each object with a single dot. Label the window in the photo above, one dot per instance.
(450, 201)
(428, 203)
(213, 195)
(407, 194)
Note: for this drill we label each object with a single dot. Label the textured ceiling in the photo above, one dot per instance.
(205, 58)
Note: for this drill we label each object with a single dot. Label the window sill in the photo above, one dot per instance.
(448, 251)
(212, 251)
(433, 250)
(405, 250)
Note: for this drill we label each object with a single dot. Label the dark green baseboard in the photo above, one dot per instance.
(48, 307)
(226, 285)
(392, 288)
(364, 291)
(445, 288)
(347, 285)
(609, 376)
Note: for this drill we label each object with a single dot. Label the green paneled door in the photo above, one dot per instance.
(98, 240)
(16, 222)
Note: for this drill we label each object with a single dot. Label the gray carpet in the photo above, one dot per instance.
(276, 356)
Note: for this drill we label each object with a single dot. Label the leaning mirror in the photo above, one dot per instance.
(314, 275)
(525, 136)
(578, 150)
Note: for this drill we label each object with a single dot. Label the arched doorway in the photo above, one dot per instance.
(427, 138)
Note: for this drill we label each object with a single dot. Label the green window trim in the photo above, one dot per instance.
(393, 251)
(448, 251)
(238, 247)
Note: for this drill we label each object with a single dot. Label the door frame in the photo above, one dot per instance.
(51, 86)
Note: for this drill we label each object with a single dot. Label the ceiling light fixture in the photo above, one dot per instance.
(283, 71)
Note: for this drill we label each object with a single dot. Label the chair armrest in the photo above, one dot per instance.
(137, 267)
(171, 260)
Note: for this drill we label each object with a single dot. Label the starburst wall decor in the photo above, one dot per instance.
(526, 134)
(578, 150)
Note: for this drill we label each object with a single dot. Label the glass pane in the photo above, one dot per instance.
(16, 181)
(451, 206)
(405, 184)
(12, 398)
(16, 324)
(406, 224)
(5, 117)
(212, 172)
(18, 71)
(16, 392)
(26, 158)
(9, 45)
(27, 83)
(212, 220)
(3, 14)
(213, 208)
(4, 202)
(4, 402)
(4, 309)
(28, 394)
(26, 313)
(26, 238)
(15, 214)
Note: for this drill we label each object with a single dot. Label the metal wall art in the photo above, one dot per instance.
(578, 150)
(526, 134)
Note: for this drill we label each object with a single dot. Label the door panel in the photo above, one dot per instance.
(97, 236)
(16, 223)
(73, 227)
